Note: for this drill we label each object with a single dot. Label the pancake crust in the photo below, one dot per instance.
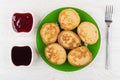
(79, 56)
(88, 32)
(55, 53)
(49, 32)
(69, 19)
(69, 39)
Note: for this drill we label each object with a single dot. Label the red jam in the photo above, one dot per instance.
(22, 22)
(21, 55)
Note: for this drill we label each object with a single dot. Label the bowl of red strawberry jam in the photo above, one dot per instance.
(22, 22)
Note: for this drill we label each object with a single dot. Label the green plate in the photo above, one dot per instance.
(53, 17)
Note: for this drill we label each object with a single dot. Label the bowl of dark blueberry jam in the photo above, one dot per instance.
(21, 55)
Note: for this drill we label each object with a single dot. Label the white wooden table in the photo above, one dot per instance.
(39, 70)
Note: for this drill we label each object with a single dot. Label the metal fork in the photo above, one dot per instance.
(108, 21)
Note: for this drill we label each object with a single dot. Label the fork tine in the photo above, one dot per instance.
(112, 8)
(106, 11)
(111, 11)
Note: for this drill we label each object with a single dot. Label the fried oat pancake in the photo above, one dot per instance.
(49, 32)
(69, 19)
(69, 39)
(55, 53)
(88, 32)
(79, 56)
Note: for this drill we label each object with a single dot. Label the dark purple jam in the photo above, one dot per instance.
(22, 22)
(21, 55)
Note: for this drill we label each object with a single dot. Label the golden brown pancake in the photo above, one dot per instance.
(88, 32)
(49, 32)
(69, 39)
(69, 19)
(55, 53)
(79, 56)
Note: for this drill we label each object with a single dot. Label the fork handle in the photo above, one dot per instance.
(107, 49)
